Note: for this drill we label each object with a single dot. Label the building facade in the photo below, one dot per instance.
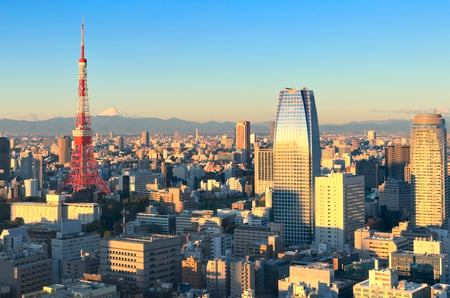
(64, 149)
(243, 139)
(397, 156)
(429, 170)
(142, 261)
(339, 201)
(263, 163)
(296, 163)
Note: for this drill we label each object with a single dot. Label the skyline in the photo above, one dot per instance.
(136, 54)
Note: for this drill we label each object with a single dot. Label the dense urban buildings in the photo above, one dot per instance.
(272, 210)
(429, 170)
(296, 163)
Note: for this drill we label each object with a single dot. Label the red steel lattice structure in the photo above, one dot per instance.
(83, 173)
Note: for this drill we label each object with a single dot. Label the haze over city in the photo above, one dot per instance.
(226, 61)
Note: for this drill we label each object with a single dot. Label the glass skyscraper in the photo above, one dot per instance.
(296, 162)
(429, 170)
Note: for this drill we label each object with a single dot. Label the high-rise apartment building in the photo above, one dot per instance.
(145, 138)
(429, 170)
(64, 148)
(263, 163)
(339, 207)
(192, 272)
(5, 158)
(396, 158)
(243, 139)
(242, 277)
(296, 162)
(218, 278)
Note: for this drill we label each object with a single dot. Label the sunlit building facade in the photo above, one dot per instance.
(296, 162)
(429, 170)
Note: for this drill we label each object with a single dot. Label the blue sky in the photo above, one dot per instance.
(226, 60)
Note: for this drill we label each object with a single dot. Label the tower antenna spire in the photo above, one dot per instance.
(82, 36)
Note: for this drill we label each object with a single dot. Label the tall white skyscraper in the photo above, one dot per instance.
(296, 162)
(339, 208)
(429, 170)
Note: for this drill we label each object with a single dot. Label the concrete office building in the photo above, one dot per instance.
(54, 210)
(372, 244)
(427, 263)
(339, 201)
(263, 163)
(385, 283)
(395, 196)
(24, 266)
(142, 261)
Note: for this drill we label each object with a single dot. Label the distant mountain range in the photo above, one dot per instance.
(121, 125)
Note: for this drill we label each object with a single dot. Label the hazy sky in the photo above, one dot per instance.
(226, 60)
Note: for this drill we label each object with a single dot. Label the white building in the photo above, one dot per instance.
(31, 187)
(53, 209)
(339, 206)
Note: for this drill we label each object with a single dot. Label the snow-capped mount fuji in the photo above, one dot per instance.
(111, 112)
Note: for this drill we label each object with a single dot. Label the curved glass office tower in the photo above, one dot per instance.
(429, 170)
(296, 162)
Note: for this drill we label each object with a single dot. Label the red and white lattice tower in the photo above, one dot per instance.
(83, 173)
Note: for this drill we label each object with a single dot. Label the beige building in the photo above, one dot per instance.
(192, 272)
(313, 280)
(54, 210)
(170, 198)
(384, 283)
(242, 277)
(429, 170)
(339, 209)
(64, 148)
(141, 261)
(51, 211)
(218, 278)
(263, 162)
(81, 288)
(84, 212)
(246, 235)
(372, 244)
